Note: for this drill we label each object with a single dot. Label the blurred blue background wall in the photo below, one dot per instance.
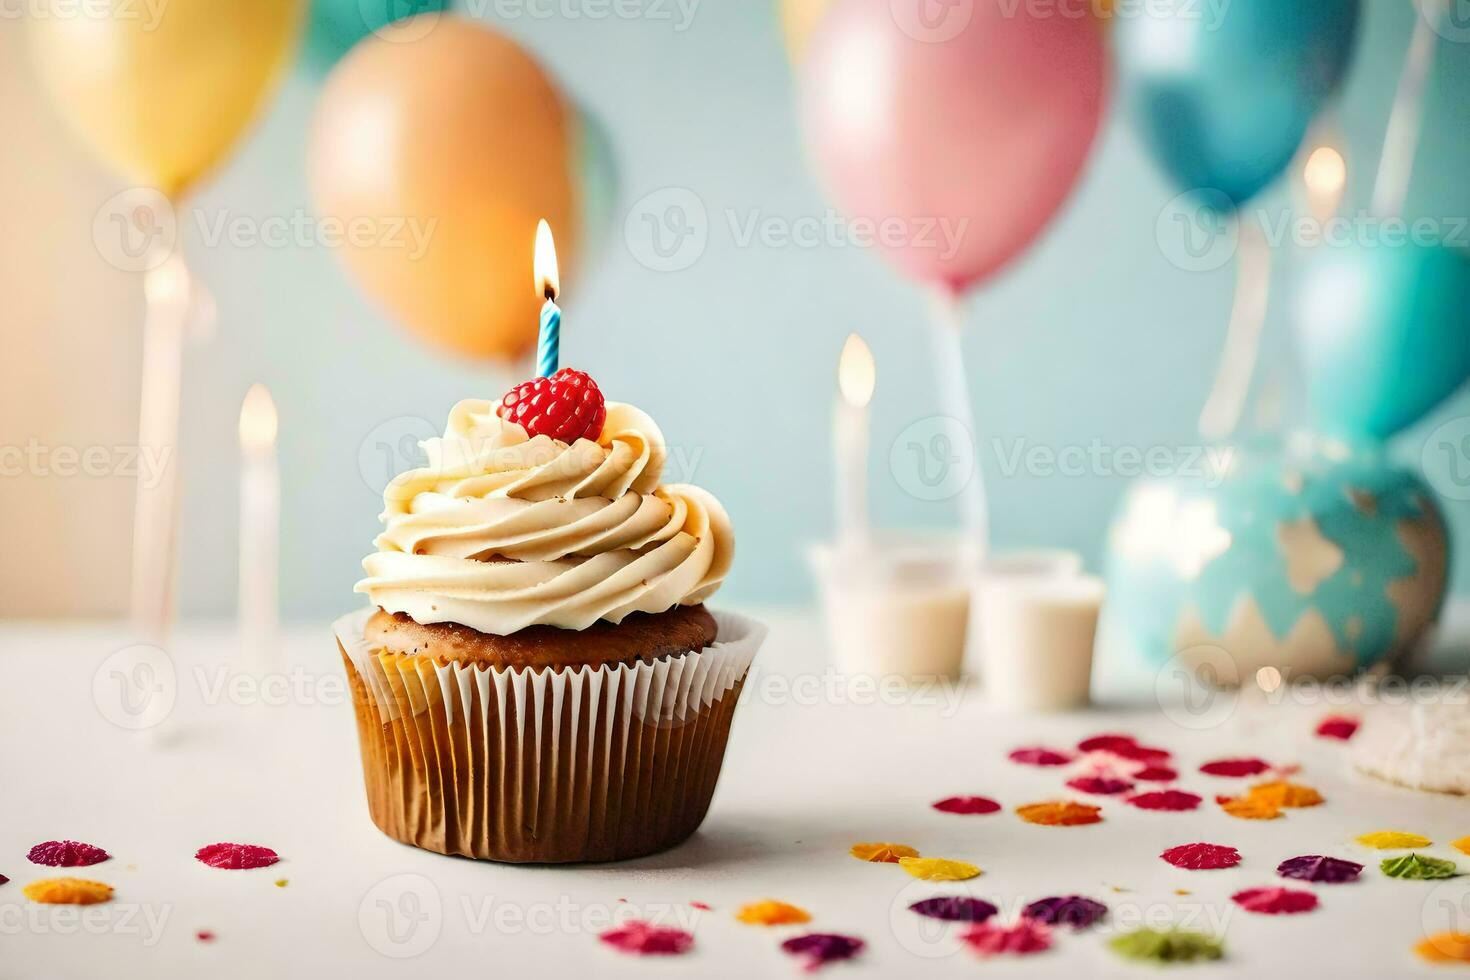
(1094, 337)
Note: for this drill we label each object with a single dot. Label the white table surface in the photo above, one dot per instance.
(807, 774)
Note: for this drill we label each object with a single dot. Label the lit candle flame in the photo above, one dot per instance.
(258, 422)
(856, 373)
(1325, 177)
(548, 275)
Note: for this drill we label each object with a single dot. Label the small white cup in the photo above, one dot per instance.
(1036, 635)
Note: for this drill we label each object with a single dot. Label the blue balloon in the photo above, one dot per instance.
(1224, 95)
(1384, 332)
(337, 25)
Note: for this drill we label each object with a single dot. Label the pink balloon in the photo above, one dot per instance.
(957, 127)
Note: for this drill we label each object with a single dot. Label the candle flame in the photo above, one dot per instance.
(1325, 176)
(856, 373)
(548, 275)
(258, 422)
(168, 282)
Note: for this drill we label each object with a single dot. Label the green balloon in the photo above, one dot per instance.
(337, 25)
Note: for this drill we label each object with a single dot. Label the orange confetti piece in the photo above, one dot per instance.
(1290, 796)
(1060, 814)
(1446, 947)
(67, 891)
(772, 913)
(1250, 808)
(882, 853)
(1462, 845)
(938, 869)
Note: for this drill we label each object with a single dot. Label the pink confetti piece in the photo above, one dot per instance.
(66, 854)
(1100, 785)
(236, 857)
(820, 948)
(1275, 901)
(1156, 774)
(1202, 857)
(701, 906)
(1172, 800)
(1039, 756)
(1340, 727)
(1235, 768)
(968, 805)
(1023, 938)
(640, 938)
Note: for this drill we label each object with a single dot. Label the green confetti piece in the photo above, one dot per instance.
(1167, 946)
(1419, 867)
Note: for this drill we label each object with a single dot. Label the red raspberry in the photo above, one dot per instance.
(566, 406)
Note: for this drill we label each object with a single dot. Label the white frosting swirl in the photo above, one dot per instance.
(501, 531)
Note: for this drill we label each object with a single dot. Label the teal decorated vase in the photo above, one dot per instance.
(1320, 560)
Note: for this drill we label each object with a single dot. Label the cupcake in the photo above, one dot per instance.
(537, 678)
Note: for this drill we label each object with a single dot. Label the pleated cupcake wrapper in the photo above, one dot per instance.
(585, 764)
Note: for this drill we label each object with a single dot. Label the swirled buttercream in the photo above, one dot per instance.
(500, 530)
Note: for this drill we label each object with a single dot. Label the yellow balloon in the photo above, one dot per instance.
(162, 91)
(798, 19)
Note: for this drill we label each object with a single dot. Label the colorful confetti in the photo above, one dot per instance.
(1124, 747)
(1235, 768)
(1462, 845)
(1036, 756)
(1076, 911)
(1290, 796)
(955, 908)
(646, 939)
(967, 805)
(880, 853)
(1171, 800)
(236, 857)
(1249, 808)
(1445, 947)
(1100, 785)
(772, 913)
(66, 854)
(1019, 939)
(1167, 946)
(67, 891)
(1340, 727)
(1202, 857)
(1062, 813)
(938, 869)
(1419, 867)
(1318, 868)
(821, 948)
(1393, 840)
(1155, 774)
(1275, 901)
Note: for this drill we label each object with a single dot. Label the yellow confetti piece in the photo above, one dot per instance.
(938, 869)
(282, 882)
(1060, 814)
(1393, 840)
(772, 913)
(1446, 947)
(1183, 891)
(1288, 795)
(1462, 845)
(882, 853)
(67, 891)
(1250, 808)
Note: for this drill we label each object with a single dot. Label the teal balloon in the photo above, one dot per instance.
(1224, 94)
(595, 164)
(336, 25)
(1384, 333)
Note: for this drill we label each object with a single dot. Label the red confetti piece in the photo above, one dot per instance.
(820, 948)
(1202, 857)
(646, 939)
(1235, 768)
(1275, 901)
(1021, 939)
(66, 854)
(4, 880)
(1038, 756)
(968, 805)
(1156, 774)
(236, 857)
(1318, 868)
(1100, 785)
(701, 906)
(1106, 743)
(1172, 800)
(1340, 727)
(204, 936)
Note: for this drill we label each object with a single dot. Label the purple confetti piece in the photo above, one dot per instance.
(821, 948)
(1316, 867)
(3, 880)
(1076, 911)
(955, 908)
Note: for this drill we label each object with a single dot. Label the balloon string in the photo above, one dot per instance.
(167, 290)
(1226, 404)
(954, 401)
(1401, 140)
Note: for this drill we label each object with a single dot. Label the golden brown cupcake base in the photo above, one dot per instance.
(641, 636)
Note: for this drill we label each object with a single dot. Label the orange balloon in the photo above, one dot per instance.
(460, 140)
